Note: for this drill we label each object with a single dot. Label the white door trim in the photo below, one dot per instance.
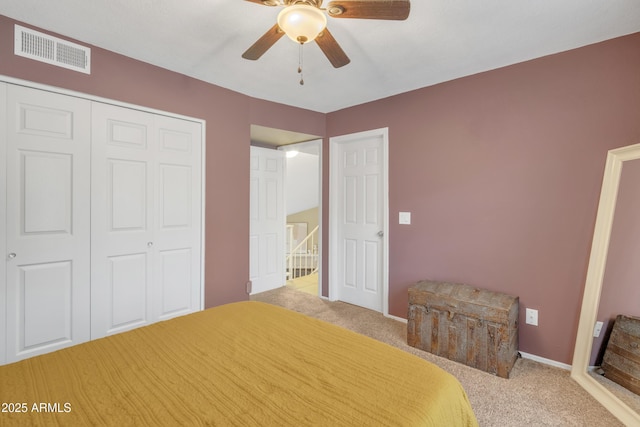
(62, 91)
(335, 204)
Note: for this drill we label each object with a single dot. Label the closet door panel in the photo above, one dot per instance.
(122, 220)
(178, 212)
(175, 284)
(48, 277)
(44, 301)
(127, 190)
(176, 188)
(46, 187)
(127, 285)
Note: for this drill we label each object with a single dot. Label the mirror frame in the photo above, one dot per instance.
(593, 286)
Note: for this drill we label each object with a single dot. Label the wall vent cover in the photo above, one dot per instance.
(52, 50)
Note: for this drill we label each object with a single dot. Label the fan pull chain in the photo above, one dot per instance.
(300, 61)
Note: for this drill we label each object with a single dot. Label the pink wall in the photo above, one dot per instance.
(228, 118)
(500, 170)
(502, 173)
(621, 282)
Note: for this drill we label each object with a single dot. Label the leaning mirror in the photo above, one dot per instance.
(616, 160)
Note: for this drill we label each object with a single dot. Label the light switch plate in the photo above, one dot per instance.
(404, 218)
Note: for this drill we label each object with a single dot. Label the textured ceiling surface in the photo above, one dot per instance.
(440, 41)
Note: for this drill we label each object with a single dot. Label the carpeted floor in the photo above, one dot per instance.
(535, 395)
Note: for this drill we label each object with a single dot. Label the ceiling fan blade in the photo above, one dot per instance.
(332, 49)
(370, 9)
(266, 2)
(263, 44)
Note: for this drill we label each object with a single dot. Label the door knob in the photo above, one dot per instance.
(12, 255)
(150, 244)
(380, 233)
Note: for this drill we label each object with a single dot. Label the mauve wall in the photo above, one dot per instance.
(501, 170)
(621, 281)
(228, 118)
(502, 173)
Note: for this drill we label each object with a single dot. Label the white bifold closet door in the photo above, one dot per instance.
(146, 215)
(103, 212)
(48, 141)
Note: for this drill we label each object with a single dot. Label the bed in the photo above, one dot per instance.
(240, 364)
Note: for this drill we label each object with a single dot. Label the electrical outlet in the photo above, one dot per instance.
(532, 317)
(597, 329)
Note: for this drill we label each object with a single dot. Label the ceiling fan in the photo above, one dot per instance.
(304, 21)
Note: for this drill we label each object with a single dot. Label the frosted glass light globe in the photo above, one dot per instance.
(302, 23)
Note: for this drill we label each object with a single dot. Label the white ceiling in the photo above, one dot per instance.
(442, 40)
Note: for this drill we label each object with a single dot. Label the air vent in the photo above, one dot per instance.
(52, 50)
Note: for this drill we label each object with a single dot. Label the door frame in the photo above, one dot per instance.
(335, 205)
(3, 222)
(313, 147)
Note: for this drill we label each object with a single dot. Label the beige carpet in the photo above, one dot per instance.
(535, 395)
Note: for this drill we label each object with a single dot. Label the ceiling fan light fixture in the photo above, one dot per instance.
(301, 22)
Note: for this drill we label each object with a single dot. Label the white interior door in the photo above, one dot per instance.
(178, 217)
(122, 167)
(267, 220)
(48, 140)
(358, 220)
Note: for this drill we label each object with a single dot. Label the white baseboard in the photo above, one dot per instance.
(524, 355)
(545, 361)
(399, 319)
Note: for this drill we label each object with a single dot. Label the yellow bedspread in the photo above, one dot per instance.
(241, 364)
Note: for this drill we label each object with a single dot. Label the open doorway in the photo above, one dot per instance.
(301, 197)
(303, 212)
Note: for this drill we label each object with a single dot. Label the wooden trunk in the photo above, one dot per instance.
(621, 362)
(472, 326)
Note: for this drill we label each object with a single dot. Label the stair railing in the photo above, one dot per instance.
(302, 262)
